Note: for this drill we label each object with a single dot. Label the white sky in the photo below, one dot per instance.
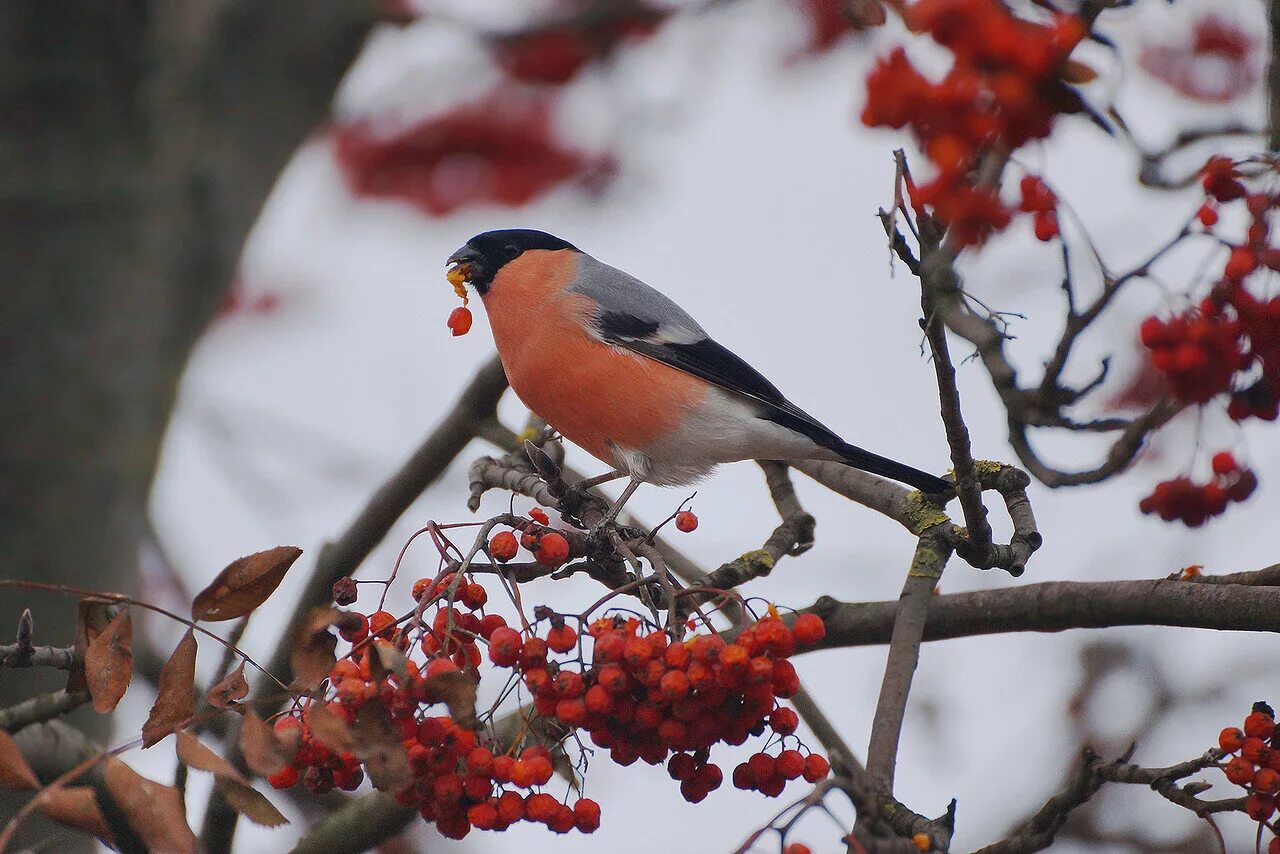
(747, 193)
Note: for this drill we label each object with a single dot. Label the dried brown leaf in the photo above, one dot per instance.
(228, 693)
(175, 702)
(15, 773)
(194, 752)
(92, 616)
(387, 658)
(244, 584)
(108, 662)
(457, 690)
(264, 751)
(250, 803)
(312, 657)
(77, 808)
(329, 728)
(378, 747)
(242, 797)
(154, 811)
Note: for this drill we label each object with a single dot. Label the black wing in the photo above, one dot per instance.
(717, 364)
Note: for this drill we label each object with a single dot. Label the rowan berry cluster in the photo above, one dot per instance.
(635, 690)
(1230, 343)
(1255, 763)
(1194, 503)
(1005, 87)
(646, 696)
(457, 782)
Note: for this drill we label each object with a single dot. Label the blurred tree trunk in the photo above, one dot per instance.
(138, 141)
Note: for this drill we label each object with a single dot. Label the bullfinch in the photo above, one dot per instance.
(622, 371)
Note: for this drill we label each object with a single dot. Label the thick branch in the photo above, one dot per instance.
(40, 708)
(1059, 605)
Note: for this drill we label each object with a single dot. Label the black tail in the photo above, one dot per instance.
(892, 469)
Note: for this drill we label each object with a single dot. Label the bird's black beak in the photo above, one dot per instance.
(464, 269)
(465, 255)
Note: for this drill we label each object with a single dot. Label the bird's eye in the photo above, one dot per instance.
(511, 249)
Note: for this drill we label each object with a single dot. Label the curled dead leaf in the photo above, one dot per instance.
(244, 584)
(92, 616)
(242, 797)
(387, 658)
(228, 693)
(312, 657)
(108, 662)
(175, 702)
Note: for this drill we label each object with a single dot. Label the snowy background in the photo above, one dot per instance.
(746, 190)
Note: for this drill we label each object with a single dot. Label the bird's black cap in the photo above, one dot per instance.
(485, 254)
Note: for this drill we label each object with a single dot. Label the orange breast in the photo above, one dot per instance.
(593, 393)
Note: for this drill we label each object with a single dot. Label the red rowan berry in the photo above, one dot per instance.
(473, 595)
(540, 807)
(1259, 725)
(453, 825)
(533, 655)
(1223, 463)
(815, 768)
(563, 820)
(1207, 215)
(1251, 748)
(539, 515)
(483, 816)
(1260, 807)
(783, 721)
(922, 841)
(613, 679)
(503, 546)
(460, 321)
(686, 521)
(586, 815)
(1230, 739)
(1240, 263)
(1240, 771)
(1274, 847)
(790, 764)
(598, 700)
(1267, 780)
(286, 778)
(796, 848)
(808, 629)
(1046, 226)
(562, 638)
(553, 549)
(489, 624)
(381, 623)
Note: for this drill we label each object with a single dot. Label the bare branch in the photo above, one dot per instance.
(1058, 605)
